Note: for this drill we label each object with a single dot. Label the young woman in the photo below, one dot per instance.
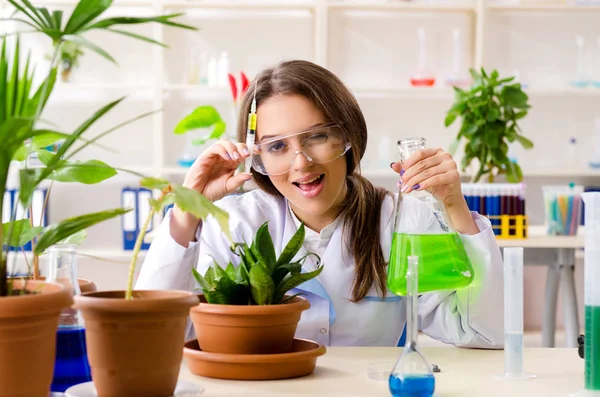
(311, 136)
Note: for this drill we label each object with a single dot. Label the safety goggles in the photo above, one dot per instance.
(319, 145)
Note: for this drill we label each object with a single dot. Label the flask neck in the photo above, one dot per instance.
(409, 146)
(62, 269)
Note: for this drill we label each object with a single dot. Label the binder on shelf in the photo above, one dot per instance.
(129, 220)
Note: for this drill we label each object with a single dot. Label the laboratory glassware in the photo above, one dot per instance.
(422, 77)
(412, 375)
(71, 365)
(425, 231)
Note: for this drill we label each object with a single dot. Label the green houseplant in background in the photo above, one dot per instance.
(26, 364)
(69, 59)
(244, 309)
(490, 111)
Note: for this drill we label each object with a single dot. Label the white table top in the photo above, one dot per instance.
(538, 239)
(342, 371)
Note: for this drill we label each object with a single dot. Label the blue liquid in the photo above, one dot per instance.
(412, 386)
(71, 366)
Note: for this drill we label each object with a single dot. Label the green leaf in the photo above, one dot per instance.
(191, 201)
(511, 173)
(76, 238)
(283, 270)
(41, 94)
(137, 36)
(493, 114)
(230, 270)
(476, 76)
(85, 12)
(41, 141)
(162, 19)
(261, 284)
(57, 232)
(526, 143)
(292, 281)
(450, 119)
(263, 247)
(88, 44)
(514, 97)
(154, 183)
(228, 292)
(22, 232)
(159, 204)
(521, 114)
(87, 172)
(45, 156)
(216, 133)
(201, 117)
(204, 284)
(292, 247)
(453, 146)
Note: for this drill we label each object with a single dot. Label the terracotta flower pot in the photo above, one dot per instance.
(237, 329)
(84, 284)
(135, 346)
(28, 325)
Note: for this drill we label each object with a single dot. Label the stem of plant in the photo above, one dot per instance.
(136, 251)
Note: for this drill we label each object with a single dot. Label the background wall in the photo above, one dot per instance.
(371, 45)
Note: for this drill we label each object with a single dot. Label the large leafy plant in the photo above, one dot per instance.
(261, 278)
(21, 135)
(202, 117)
(490, 111)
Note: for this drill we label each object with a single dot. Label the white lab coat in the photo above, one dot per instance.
(469, 317)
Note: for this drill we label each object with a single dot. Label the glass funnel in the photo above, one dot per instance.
(71, 365)
(422, 228)
(412, 375)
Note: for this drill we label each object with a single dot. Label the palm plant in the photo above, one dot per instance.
(20, 108)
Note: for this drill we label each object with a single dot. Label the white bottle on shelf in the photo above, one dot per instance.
(595, 159)
(223, 70)
(580, 78)
(212, 71)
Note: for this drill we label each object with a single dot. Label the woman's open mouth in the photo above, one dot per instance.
(310, 187)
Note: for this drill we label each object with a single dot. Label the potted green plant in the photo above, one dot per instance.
(244, 309)
(29, 309)
(69, 59)
(490, 111)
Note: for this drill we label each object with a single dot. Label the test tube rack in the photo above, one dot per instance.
(502, 203)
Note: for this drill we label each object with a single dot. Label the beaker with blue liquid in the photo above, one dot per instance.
(71, 365)
(412, 375)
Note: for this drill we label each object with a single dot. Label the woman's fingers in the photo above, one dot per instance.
(233, 183)
(446, 178)
(420, 155)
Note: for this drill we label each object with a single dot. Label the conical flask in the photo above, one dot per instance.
(424, 230)
(412, 375)
(71, 365)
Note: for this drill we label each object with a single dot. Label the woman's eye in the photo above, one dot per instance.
(318, 138)
(276, 147)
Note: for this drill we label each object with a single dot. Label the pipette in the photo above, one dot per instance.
(513, 315)
(251, 132)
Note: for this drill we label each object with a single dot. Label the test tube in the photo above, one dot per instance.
(513, 314)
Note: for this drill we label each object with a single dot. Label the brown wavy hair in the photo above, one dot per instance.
(361, 209)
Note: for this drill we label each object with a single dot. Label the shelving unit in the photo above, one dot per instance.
(370, 44)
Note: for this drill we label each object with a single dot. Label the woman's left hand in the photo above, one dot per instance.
(435, 171)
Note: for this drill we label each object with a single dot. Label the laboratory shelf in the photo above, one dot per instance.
(400, 6)
(236, 4)
(544, 7)
(403, 93)
(200, 92)
(590, 91)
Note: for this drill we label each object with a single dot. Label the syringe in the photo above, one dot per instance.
(251, 132)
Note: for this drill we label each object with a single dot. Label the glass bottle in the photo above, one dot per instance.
(412, 375)
(71, 365)
(425, 230)
(422, 77)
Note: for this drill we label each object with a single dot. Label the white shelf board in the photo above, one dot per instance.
(404, 93)
(241, 4)
(544, 7)
(175, 170)
(537, 238)
(590, 91)
(116, 3)
(389, 174)
(399, 5)
(201, 92)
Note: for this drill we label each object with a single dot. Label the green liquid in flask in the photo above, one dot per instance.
(592, 347)
(443, 262)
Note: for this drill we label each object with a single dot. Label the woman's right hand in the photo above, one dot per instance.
(212, 175)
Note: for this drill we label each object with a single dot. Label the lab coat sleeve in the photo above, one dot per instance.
(473, 316)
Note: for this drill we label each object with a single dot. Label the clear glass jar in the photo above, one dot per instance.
(422, 228)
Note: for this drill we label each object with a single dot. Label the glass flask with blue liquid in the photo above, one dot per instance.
(71, 365)
(412, 375)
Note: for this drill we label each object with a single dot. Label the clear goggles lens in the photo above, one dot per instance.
(318, 145)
